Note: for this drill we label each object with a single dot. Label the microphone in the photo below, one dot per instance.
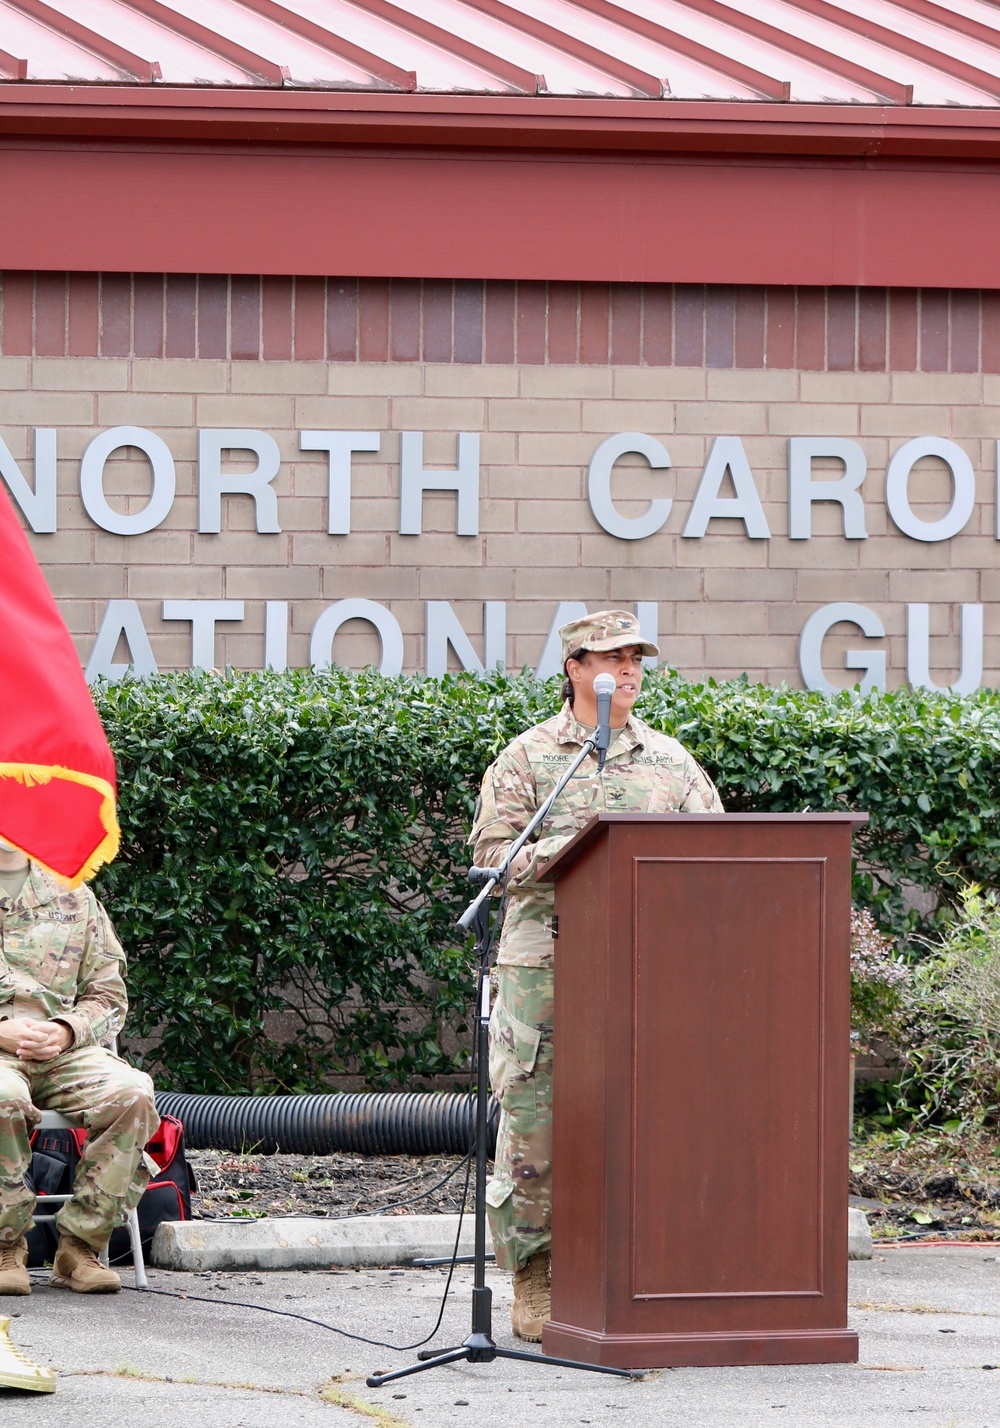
(604, 688)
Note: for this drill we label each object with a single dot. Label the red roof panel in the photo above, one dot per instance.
(804, 51)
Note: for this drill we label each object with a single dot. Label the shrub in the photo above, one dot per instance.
(923, 766)
(877, 979)
(949, 1036)
(294, 844)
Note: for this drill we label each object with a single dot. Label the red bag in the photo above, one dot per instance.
(167, 1197)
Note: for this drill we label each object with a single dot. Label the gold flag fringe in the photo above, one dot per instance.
(107, 848)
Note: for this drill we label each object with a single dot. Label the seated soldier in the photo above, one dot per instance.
(61, 995)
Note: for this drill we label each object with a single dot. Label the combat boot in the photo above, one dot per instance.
(14, 1268)
(532, 1305)
(77, 1267)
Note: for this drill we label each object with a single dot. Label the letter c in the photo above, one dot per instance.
(599, 485)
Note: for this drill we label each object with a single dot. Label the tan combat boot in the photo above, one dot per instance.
(77, 1267)
(14, 1268)
(532, 1305)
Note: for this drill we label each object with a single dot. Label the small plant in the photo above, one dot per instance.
(877, 977)
(951, 1020)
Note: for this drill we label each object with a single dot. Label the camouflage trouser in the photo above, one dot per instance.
(115, 1103)
(519, 1196)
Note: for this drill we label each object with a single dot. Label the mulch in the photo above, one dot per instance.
(249, 1186)
(937, 1205)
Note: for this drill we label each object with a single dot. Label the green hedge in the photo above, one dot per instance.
(924, 767)
(298, 839)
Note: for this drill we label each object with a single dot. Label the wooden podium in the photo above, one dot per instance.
(702, 1037)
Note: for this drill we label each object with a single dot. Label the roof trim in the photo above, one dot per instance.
(292, 116)
(446, 214)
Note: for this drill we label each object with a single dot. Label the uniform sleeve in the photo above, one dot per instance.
(507, 802)
(700, 794)
(101, 1002)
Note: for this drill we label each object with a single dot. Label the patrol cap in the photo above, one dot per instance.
(607, 630)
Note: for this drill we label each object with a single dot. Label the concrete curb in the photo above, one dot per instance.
(859, 1236)
(308, 1242)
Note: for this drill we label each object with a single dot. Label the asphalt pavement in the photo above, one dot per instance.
(928, 1320)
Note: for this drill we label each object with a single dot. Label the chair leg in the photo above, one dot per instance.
(137, 1259)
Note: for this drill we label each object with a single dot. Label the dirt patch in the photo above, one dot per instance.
(912, 1203)
(248, 1186)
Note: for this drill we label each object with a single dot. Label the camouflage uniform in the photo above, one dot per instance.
(60, 959)
(645, 772)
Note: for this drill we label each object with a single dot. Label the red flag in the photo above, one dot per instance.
(57, 771)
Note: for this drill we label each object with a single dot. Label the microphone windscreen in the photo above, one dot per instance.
(604, 684)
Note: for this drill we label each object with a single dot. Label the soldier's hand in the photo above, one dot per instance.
(11, 1031)
(522, 858)
(43, 1040)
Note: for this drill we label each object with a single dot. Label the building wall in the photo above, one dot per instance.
(543, 374)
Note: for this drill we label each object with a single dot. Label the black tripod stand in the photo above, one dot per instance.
(479, 1347)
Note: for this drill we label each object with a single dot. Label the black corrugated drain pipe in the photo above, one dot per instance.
(368, 1123)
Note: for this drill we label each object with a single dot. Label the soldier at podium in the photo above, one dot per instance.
(645, 771)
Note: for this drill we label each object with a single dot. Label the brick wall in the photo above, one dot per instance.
(405, 320)
(544, 373)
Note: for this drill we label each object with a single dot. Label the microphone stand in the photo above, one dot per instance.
(480, 1347)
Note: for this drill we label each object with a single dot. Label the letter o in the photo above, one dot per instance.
(161, 496)
(897, 498)
(386, 626)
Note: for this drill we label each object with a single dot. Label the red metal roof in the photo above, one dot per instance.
(851, 52)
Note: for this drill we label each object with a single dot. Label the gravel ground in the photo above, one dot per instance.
(248, 1186)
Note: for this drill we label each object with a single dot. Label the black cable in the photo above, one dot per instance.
(321, 1324)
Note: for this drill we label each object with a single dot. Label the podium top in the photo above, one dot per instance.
(595, 828)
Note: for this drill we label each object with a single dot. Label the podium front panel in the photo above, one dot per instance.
(701, 1062)
(728, 1036)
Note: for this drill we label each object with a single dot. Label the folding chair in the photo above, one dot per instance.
(53, 1120)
